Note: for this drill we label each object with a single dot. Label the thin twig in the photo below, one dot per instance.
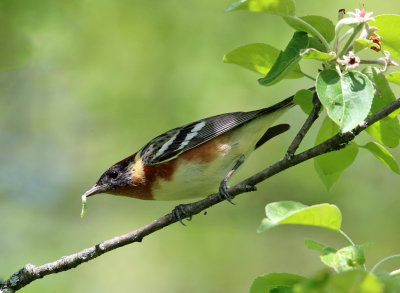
(305, 128)
(386, 259)
(30, 273)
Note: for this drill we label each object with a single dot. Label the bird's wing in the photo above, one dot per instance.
(181, 139)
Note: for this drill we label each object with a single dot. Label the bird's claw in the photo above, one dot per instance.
(180, 214)
(224, 193)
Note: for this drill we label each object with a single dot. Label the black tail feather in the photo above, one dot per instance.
(271, 133)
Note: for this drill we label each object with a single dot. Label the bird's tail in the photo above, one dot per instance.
(286, 103)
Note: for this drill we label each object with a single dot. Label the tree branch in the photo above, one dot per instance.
(305, 128)
(29, 273)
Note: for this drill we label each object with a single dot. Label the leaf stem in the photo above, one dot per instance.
(385, 260)
(357, 29)
(376, 61)
(315, 31)
(348, 239)
(308, 76)
(345, 35)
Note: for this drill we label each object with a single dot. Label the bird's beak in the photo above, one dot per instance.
(96, 189)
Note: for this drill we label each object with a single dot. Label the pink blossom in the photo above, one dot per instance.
(362, 15)
(352, 61)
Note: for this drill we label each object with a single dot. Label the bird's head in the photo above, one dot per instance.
(115, 179)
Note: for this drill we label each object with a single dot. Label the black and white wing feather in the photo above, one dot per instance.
(181, 139)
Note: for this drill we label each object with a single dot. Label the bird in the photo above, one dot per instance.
(192, 160)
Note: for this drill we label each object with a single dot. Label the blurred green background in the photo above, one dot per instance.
(86, 83)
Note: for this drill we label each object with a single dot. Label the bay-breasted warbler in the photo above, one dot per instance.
(192, 160)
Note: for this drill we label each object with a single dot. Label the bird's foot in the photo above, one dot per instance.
(224, 192)
(180, 213)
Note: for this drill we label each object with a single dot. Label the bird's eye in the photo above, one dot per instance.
(113, 174)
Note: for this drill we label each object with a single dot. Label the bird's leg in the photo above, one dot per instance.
(179, 213)
(223, 189)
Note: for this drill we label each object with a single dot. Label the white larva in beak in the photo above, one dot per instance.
(95, 189)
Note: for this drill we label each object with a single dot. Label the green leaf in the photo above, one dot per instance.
(354, 281)
(321, 24)
(269, 282)
(392, 283)
(329, 166)
(287, 60)
(278, 7)
(384, 95)
(388, 26)
(289, 212)
(316, 44)
(281, 289)
(294, 73)
(327, 130)
(382, 155)
(386, 130)
(317, 55)
(257, 57)
(315, 284)
(345, 259)
(304, 98)
(313, 245)
(361, 44)
(329, 91)
(347, 98)
(394, 77)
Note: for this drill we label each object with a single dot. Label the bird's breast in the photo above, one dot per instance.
(195, 173)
